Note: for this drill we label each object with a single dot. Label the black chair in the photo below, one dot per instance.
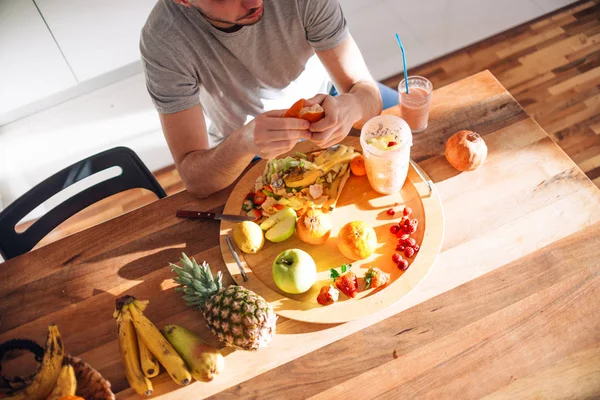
(134, 175)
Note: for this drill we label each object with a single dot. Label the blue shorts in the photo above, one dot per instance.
(389, 96)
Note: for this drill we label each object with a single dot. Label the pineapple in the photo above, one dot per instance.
(237, 316)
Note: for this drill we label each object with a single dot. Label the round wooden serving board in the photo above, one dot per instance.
(357, 202)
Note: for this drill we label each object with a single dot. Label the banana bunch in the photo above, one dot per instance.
(52, 380)
(128, 344)
(143, 347)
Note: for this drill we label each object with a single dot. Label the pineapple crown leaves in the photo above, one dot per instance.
(197, 281)
(334, 274)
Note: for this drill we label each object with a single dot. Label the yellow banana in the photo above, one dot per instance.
(160, 347)
(150, 366)
(130, 354)
(141, 304)
(336, 186)
(66, 385)
(48, 373)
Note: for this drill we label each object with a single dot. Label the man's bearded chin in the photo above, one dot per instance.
(239, 22)
(188, 3)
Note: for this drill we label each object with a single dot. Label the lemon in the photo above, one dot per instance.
(249, 237)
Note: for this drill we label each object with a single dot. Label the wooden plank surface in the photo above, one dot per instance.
(527, 330)
(527, 196)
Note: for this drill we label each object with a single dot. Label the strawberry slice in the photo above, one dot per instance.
(375, 278)
(328, 295)
(259, 198)
(346, 283)
(255, 213)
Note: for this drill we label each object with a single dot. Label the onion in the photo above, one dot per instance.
(313, 227)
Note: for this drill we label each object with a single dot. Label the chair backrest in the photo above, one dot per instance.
(134, 175)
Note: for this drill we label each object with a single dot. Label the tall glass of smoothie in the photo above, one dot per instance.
(414, 105)
(386, 142)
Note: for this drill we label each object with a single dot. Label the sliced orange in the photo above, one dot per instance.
(357, 166)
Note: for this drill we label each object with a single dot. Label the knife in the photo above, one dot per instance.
(420, 173)
(211, 215)
(236, 258)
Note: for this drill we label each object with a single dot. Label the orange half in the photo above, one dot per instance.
(312, 113)
(294, 111)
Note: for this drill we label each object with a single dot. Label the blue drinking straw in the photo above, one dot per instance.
(403, 61)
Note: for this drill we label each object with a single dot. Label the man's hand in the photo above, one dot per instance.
(269, 135)
(341, 113)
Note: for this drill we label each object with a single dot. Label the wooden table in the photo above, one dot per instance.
(509, 310)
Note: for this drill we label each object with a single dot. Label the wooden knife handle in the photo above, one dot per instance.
(195, 214)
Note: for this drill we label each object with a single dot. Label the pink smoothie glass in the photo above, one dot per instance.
(414, 105)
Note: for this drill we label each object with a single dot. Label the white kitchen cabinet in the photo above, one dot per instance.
(31, 65)
(97, 37)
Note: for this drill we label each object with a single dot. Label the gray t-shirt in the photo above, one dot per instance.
(236, 76)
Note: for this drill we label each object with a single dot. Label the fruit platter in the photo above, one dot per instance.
(350, 253)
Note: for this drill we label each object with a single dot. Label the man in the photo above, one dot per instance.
(234, 59)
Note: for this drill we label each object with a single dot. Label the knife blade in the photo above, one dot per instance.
(236, 258)
(420, 173)
(211, 215)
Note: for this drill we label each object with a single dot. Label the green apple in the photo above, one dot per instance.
(280, 226)
(294, 271)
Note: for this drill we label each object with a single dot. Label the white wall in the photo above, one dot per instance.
(432, 28)
(31, 65)
(55, 50)
(96, 37)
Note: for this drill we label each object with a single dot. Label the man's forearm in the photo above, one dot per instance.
(205, 172)
(368, 100)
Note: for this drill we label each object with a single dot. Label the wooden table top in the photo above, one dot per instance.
(510, 309)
